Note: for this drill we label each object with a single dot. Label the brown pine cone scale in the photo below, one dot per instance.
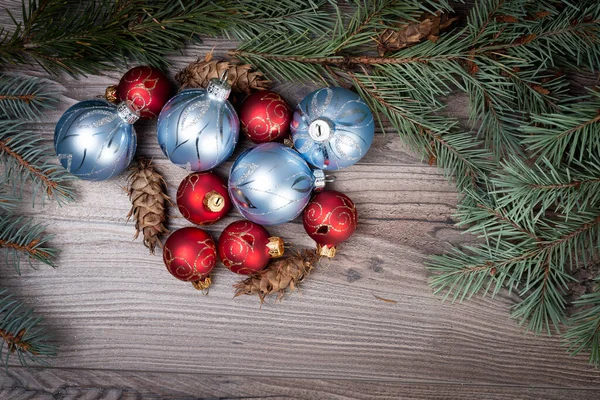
(242, 77)
(282, 276)
(147, 192)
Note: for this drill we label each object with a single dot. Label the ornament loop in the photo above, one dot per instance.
(127, 112)
(276, 247)
(224, 75)
(330, 178)
(320, 129)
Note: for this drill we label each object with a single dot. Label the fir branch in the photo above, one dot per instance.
(25, 157)
(21, 333)
(100, 35)
(530, 191)
(584, 330)
(24, 97)
(21, 237)
(8, 202)
(570, 134)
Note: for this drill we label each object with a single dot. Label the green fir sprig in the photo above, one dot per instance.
(99, 35)
(584, 332)
(24, 98)
(25, 157)
(21, 333)
(21, 237)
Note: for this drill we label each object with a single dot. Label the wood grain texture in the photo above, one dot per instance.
(127, 329)
(21, 384)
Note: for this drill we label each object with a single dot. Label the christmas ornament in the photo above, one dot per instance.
(147, 193)
(329, 218)
(198, 128)
(332, 128)
(95, 140)
(190, 254)
(265, 117)
(202, 198)
(242, 77)
(271, 184)
(147, 88)
(281, 276)
(245, 247)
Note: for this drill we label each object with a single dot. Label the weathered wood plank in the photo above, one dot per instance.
(21, 384)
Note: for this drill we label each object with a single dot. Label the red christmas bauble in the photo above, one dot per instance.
(265, 117)
(245, 247)
(190, 254)
(147, 88)
(330, 218)
(202, 198)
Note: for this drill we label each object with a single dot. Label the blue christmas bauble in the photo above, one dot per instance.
(95, 140)
(332, 128)
(271, 184)
(198, 128)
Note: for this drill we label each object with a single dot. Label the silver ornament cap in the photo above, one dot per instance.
(319, 176)
(127, 112)
(219, 89)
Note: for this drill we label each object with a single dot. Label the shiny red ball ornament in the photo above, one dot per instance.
(146, 87)
(202, 198)
(265, 117)
(330, 218)
(190, 254)
(245, 247)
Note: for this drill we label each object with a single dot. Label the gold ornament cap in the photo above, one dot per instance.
(276, 248)
(326, 251)
(214, 201)
(111, 93)
(203, 284)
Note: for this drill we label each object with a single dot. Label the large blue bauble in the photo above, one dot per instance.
(93, 140)
(332, 128)
(197, 130)
(271, 184)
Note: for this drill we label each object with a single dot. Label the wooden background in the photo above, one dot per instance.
(128, 330)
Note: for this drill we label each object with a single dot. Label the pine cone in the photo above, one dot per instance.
(146, 189)
(429, 27)
(282, 275)
(241, 77)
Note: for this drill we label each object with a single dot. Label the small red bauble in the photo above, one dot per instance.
(190, 254)
(146, 87)
(245, 247)
(265, 117)
(330, 218)
(202, 198)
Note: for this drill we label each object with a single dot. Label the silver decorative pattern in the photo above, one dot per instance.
(271, 184)
(93, 142)
(332, 128)
(197, 131)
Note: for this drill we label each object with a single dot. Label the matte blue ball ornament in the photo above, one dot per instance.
(270, 184)
(95, 140)
(332, 128)
(198, 128)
